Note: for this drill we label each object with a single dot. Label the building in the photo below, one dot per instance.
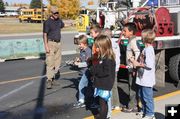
(89, 4)
(12, 11)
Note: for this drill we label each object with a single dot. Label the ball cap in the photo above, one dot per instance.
(54, 9)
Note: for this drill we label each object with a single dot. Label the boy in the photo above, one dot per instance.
(131, 51)
(85, 53)
(146, 79)
(115, 95)
(95, 30)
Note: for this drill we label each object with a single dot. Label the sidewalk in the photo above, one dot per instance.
(160, 102)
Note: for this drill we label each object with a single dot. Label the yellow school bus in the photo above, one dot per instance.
(31, 15)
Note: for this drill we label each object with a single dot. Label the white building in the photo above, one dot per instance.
(12, 11)
(84, 3)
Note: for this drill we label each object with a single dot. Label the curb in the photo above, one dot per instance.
(71, 52)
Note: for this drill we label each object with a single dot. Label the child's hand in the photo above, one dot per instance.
(76, 63)
(134, 62)
(77, 59)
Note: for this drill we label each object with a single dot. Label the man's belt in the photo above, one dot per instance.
(57, 41)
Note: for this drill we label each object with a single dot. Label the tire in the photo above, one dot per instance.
(29, 20)
(20, 20)
(174, 67)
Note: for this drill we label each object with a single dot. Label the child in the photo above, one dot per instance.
(103, 72)
(131, 51)
(85, 54)
(115, 95)
(146, 79)
(95, 30)
(116, 50)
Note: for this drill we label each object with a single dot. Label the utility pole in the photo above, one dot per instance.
(42, 12)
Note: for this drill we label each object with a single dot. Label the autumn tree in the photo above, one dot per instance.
(2, 6)
(68, 9)
(91, 2)
(104, 1)
(35, 4)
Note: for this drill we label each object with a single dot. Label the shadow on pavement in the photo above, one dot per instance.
(159, 115)
(39, 110)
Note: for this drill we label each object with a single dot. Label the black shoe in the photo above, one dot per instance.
(57, 76)
(129, 110)
(79, 105)
(49, 84)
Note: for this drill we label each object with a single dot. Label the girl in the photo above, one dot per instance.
(103, 72)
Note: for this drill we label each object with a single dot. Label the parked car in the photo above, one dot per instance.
(2, 14)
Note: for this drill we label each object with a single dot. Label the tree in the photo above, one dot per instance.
(35, 4)
(104, 1)
(91, 2)
(69, 9)
(2, 6)
(6, 4)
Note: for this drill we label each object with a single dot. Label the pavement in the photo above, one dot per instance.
(160, 102)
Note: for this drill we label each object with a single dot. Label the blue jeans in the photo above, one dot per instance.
(146, 96)
(82, 84)
(109, 108)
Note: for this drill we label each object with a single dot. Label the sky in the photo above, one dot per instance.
(83, 2)
(21, 1)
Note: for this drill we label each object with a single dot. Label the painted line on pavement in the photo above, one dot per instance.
(155, 99)
(16, 90)
(32, 78)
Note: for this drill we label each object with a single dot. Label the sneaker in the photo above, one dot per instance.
(140, 115)
(116, 108)
(129, 110)
(79, 105)
(49, 84)
(149, 117)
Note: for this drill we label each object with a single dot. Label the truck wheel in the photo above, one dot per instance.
(174, 67)
(20, 20)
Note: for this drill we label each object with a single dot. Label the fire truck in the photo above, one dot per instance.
(164, 18)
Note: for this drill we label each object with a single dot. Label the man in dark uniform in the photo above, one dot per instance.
(52, 43)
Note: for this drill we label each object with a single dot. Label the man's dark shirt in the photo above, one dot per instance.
(53, 29)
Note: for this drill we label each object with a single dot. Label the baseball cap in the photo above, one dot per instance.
(54, 9)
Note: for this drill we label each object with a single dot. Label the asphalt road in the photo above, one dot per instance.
(22, 80)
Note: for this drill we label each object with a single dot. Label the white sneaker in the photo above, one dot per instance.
(149, 117)
(116, 108)
(140, 115)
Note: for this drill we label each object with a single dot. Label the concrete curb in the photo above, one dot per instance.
(72, 52)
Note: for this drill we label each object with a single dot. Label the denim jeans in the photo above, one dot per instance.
(82, 84)
(109, 108)
(146, 96)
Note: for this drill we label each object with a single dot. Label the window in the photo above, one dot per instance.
(172, 2)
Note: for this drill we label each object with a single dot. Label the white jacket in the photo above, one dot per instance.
(116, 50)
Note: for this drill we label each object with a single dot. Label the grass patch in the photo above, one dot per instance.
(12, 26)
